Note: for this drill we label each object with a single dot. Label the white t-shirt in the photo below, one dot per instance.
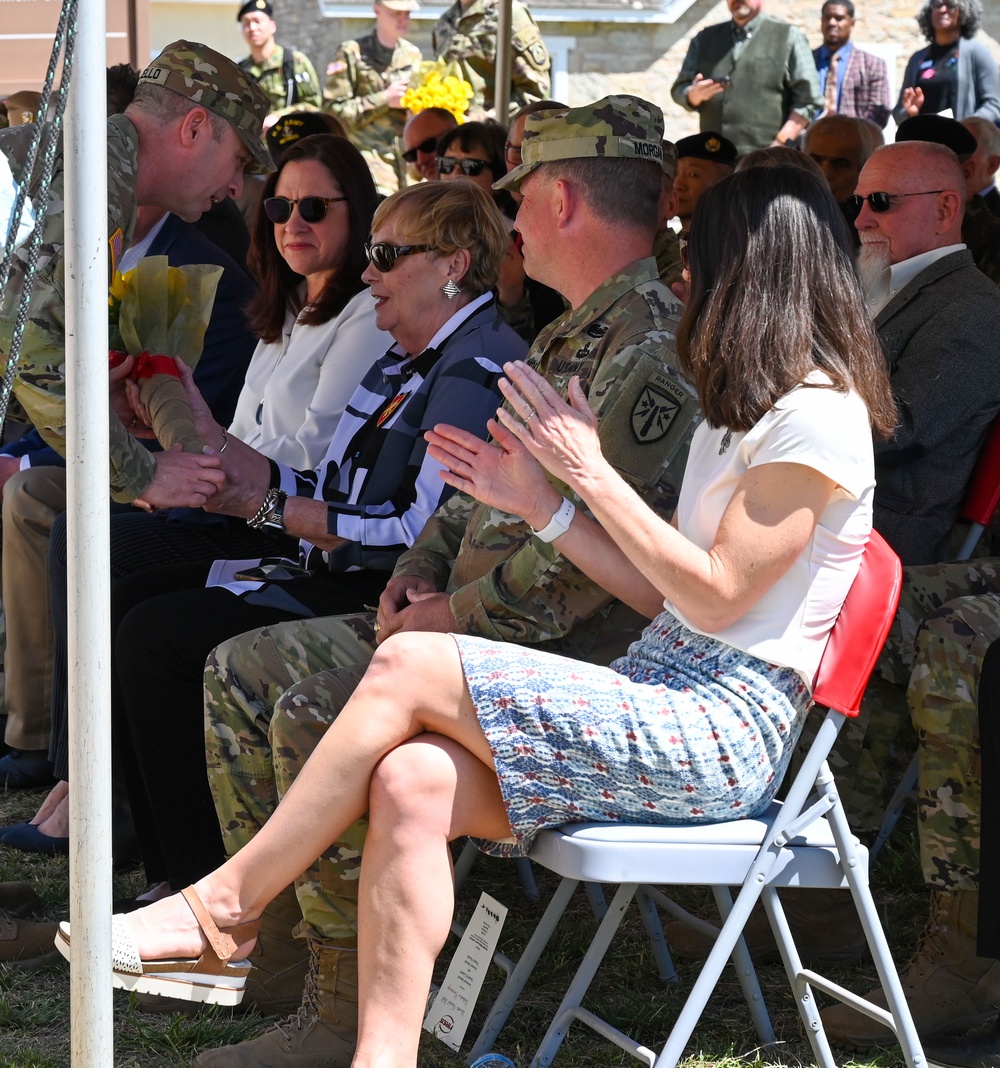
(818, 428)
(296, 388)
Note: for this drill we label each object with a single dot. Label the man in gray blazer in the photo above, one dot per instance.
(939, 319)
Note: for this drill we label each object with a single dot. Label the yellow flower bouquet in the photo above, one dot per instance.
(438, 85)
(157, 312)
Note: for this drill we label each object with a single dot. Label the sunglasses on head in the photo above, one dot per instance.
(382, 255)
(425, 146)
(311, 209)
(881, 202)
(472, 168)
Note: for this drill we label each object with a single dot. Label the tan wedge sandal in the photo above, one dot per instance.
(210, 978)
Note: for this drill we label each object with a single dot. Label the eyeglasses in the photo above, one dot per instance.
(425, 146)
(311, 209)
(512, 153)
(472, 168)
(382, 255)
(882, 202)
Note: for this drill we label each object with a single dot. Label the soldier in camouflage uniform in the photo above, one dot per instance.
(466, 34)
(471, 569)
(220, 114)
(285, 76)
(949, 616)
(364, 86)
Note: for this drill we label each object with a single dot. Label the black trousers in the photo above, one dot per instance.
(164, 625)
(989, 850)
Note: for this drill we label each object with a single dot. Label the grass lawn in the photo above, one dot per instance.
(34, 1008)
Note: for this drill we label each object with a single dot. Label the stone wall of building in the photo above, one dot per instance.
(643, 58)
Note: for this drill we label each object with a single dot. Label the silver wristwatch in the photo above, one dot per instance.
(271, 514)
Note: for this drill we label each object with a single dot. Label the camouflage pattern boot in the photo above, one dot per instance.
(324, 1031)
(279, 959)
(947, 987)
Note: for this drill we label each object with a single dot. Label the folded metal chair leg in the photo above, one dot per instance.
(525, 965)
(568, 1008)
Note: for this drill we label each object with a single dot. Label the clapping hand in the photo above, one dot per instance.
(562, 437)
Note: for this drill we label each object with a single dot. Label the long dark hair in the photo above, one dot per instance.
(774, 295)
(279, 287)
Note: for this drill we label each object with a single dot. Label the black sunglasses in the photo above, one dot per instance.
(311, 209)
(382, 255)
(881, 202)
(425, 146)
(469, 167)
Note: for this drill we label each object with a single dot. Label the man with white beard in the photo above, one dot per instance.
(939, 319)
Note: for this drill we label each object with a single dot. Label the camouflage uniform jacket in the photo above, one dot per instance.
(667, 250)
(506, 584)
(40, 382)
(468, 36)
(356, 82)
(271, 79)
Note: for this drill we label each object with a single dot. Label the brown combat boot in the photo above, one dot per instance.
(322, 1034)
(26, 945)
(280, 962)
(947, 987)
(824, 924)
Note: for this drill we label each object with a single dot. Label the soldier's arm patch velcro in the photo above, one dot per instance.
(646, 422)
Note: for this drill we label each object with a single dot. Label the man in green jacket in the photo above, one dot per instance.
(752, 79)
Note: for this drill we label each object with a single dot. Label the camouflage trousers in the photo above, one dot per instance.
(266, 708)
(948, 616)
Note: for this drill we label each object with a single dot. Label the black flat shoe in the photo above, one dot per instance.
(29, 839)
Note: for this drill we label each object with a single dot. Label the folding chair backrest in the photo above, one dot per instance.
(861, 629)
(982, 495)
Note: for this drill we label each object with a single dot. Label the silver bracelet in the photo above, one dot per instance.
(225, 441)
(559, 523)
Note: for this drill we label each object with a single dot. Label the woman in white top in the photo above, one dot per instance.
(450, 735)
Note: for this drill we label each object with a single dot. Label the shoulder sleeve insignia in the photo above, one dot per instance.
(647, 421)
(338, 66)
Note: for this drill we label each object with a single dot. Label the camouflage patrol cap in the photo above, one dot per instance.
(622, 127)
(210, 79)
(669, 163)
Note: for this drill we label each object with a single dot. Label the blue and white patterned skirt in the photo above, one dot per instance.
(682, 729)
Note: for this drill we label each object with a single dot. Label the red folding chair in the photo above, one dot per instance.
(982, 495)
(803, 841)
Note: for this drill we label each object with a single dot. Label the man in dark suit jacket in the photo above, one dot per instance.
(985, 161)
(852, 82)
(34, 499)
(938, 317)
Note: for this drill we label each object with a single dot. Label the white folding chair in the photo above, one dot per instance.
(804, 842)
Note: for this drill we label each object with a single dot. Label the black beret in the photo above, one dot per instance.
(252, 6)
(708, 145)
(939, 130)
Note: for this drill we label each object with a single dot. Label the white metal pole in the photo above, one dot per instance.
(501, 90)
(91, 1035)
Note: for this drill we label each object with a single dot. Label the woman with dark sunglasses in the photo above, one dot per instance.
(334, 531)
(954, 72)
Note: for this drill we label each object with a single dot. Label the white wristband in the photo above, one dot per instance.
(559, 523)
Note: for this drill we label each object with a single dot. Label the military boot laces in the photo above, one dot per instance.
(308, 1011)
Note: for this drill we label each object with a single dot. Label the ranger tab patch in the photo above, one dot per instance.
(659, 403)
